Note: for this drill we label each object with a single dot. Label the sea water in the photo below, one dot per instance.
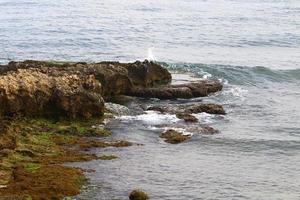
(251, 46)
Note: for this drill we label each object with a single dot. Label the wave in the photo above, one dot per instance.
(239, 75)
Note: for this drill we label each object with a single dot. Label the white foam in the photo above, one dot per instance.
(204, 117)
(152, 118)
(237, 92)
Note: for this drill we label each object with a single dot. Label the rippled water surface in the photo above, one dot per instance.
(252, 46)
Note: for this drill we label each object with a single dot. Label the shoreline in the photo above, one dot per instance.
(51, 114)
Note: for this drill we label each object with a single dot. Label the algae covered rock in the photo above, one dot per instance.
(173, 137)
(138, 195)
(186, 117)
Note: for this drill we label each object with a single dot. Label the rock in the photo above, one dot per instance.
(138, 195)
(186, 117)
(157, 108)
(207, 108)
(173, 137)
(184, 91)
(148, 74)
(34, 88)
(117, 109)
(116, 78)
(207, 130)
(182, 110)
(32, 93)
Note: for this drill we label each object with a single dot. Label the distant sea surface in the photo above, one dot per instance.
(251, 46)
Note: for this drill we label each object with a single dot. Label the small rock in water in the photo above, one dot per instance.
(186, 117)
(138, 195)
(207, 108)
(208, 130)
(173, 137)
(157, 108)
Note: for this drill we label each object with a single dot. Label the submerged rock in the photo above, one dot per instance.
(186, 117)
(138, 195)
(173, 137)
(207, 130)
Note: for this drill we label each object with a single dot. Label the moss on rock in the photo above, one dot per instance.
(138, 195)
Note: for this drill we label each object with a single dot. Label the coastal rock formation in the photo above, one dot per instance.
(74, 90)
(71, 89)
(116, 78)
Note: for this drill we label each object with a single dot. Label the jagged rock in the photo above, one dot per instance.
(30, 92)
(116, 78)
(173, 137)
(184, 91)
(71, 89)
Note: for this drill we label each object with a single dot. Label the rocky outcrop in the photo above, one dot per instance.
(71, 89)
(185, 91)
(116, 78)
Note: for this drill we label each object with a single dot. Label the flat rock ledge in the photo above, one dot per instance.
(184, 91)
(79, 90)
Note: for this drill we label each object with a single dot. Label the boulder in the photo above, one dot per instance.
(138, 195)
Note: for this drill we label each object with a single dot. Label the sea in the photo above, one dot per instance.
(251, 46)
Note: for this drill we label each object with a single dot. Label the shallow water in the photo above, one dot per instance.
(252, 46)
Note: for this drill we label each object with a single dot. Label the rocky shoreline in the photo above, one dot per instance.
(50, 114)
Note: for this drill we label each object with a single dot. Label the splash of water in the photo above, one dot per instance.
(151, 56)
